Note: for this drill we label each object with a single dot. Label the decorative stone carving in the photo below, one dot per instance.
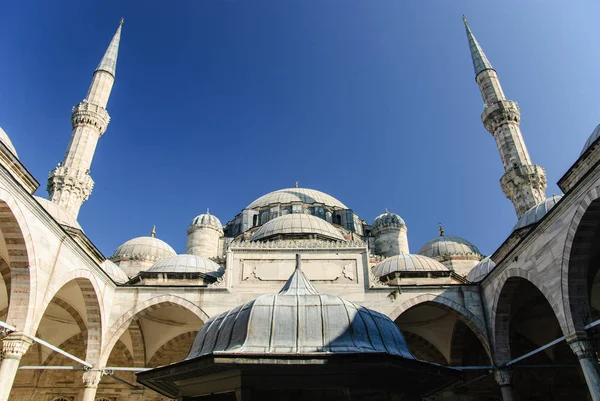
(297, 244)
(15, 345)
(582, 346)
(279, 270)
(503, 377)
(91, 378)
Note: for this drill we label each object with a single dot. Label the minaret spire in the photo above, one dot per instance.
(523, 182)
(70, 184)
(109, 61)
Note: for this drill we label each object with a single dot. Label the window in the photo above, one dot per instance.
(254, 220)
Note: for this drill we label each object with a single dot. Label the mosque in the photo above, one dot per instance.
(296, 296)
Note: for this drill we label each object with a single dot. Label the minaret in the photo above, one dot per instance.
(523, 183)
(70, 184)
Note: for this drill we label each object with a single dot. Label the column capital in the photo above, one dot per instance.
(503, 377)
(581, 345)
(15, 345)
(91, 377)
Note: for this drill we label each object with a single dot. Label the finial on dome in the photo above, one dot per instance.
(153, 232)
(298, 283)
(121, 22)
(464, 19)
(296, 184)
(441, 230)
(386, 210)
(207, 210)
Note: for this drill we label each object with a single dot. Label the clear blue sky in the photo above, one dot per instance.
(373, 102)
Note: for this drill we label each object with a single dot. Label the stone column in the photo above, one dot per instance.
(14, 346)
(91, 379)
(584, 348)
(504, 379)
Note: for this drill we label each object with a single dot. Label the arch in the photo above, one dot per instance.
(119, 327)
(466, 316)
(189, 336)
(501, 310)
(137, 341)
(90, 292)
(20, 250)
(575, 261)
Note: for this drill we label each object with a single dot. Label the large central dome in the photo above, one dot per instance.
(289, 195)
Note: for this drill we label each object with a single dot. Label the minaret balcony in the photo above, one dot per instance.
(499, 113)
(90, 114)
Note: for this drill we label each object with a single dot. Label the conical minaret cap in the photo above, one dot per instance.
(298, 283)
(109, 61)
(480, 61)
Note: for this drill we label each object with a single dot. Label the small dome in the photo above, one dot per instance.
(59, 214)
(7, 142)
(290, 195)
(299, 320)
(143, 248)
(207, 220)
(592, 138)
(114, 272)
(481, 270)
(297, 224)
(447, 246)
(407, 263)
(536, 213)
(187, 264)
(387, 219)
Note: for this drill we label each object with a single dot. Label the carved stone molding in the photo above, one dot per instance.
(15, 345)
(503, 377)
(581, 345)
(297, 244)
(91, 378)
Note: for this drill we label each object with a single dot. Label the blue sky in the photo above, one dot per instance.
(374, 102)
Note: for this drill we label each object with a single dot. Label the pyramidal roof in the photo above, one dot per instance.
(109, 61)
(480, 61)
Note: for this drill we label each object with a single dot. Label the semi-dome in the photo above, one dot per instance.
(481, 270)
(298, 321)
(187, 264)
(536, 213)
(114, 272)
(297, 224)
(592, 138)
(387, 219)
(59, 214)
(289, 195)
(207, 220)
(446, 246)
(407, 263)
(7, 142)
(143, 248)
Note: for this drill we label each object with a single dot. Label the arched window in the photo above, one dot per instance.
(63, 398)
(338, 219)
(254, 220)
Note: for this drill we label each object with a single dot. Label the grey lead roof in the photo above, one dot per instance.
(187, 264)
(289, 195)
(299, 321)
(480, 61)
(407, 263)
(481, 270)
(109, 61)
(297, 223)
(592, 138)
(448, 245)
(536, 213)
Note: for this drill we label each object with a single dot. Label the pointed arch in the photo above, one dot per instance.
(90, 292)
(122, 324)
(19, 249)
(501, 309)
(466, 316)
(160, 353)
(581, 233)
